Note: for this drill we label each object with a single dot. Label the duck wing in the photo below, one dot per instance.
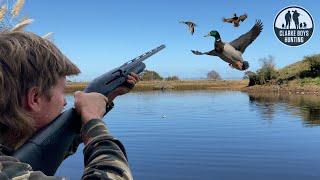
(246, 39)
(228, 20)
(190, 25)
(243, 17)
(210, 53)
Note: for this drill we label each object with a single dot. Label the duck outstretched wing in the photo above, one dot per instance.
(210, 53)
(190, 25)
(228, 20)
(243, 17)
(246, 39)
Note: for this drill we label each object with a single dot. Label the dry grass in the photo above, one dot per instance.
(10, 17)
(48, 36)
(191, 85)
(20, 26)
(177, 85)
(75, 86)
(17, 8)
(3, 11)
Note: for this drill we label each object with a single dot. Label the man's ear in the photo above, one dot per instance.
(33, 99)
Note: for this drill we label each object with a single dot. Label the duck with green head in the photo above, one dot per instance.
(232, 52)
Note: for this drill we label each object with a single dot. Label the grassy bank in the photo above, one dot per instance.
(306, 68)
(299, 86)
(176, 85)
(300, 77)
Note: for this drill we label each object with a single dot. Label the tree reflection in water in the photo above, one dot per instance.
(305, 106)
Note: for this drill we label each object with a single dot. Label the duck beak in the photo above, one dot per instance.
(207, 35)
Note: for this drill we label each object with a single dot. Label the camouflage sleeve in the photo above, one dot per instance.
(11, 168)
(104, 156)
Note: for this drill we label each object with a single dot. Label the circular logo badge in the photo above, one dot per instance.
(293, 26)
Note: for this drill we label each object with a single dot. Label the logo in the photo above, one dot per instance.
(293, 26)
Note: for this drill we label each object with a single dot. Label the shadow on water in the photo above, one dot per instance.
(305, 106)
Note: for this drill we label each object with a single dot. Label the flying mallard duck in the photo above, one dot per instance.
(190, 24)
(235, 19)
(232, 52)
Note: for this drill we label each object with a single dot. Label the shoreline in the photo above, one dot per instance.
(174, 85)
(290, 88)
(235, 85)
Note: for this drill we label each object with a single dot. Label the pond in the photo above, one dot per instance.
(214, 135)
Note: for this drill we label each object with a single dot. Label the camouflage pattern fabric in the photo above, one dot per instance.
(104, 158)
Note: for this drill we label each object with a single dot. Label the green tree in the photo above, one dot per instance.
(247, 74)
(266, 74)
(172, 78)
(268, 71)
(150, 76)
(213, 75)
(314, 66)
(253, 78)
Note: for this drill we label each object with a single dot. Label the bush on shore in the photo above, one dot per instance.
(150, 76)
(266, 74)
(213, 75)
(172, 78)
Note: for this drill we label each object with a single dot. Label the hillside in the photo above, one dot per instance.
(308, 67)
(300, 77)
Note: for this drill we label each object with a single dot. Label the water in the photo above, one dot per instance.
(214, 135)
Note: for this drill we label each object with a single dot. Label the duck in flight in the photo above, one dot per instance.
(190, 25)
(232, 52)
(235, 19)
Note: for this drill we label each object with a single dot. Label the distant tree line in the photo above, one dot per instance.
(149, 75)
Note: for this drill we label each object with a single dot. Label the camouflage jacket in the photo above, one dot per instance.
(104, 158)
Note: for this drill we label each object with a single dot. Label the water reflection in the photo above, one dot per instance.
(213, 135)
(305, 106)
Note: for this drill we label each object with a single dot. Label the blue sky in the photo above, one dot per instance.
(100, 35)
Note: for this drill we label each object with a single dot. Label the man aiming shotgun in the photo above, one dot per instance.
(32, 83)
